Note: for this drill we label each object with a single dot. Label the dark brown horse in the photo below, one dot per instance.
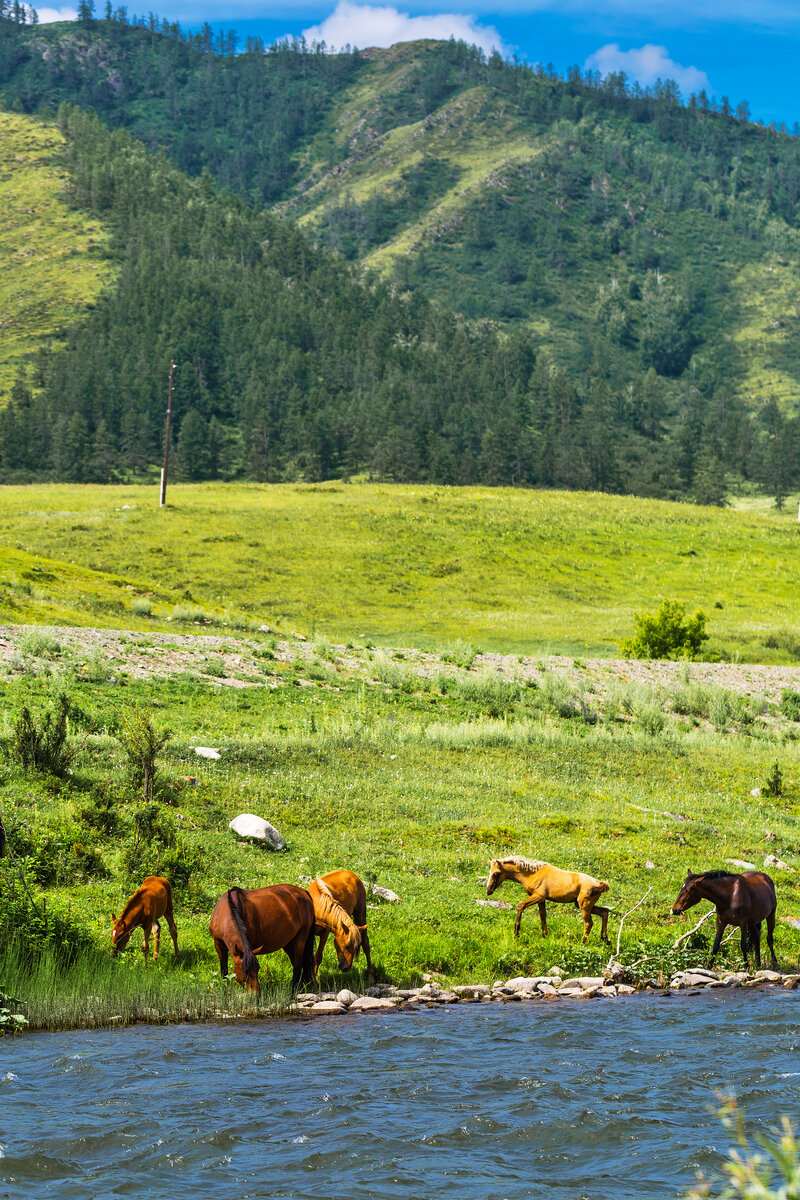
(261, 921)
(744, 900)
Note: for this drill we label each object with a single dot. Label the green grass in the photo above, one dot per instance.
(506, 570)
(54, 259)
(414, 787)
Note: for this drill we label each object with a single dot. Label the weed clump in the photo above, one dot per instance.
(142, 744)
(43, 746)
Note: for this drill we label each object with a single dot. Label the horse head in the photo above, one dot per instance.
(120, 934)
(687, 895)
(348, 944)
(497, 875)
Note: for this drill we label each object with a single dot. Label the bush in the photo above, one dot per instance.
(790, 705)
(668, 633)
(461, 654)
(43, 747)
(36, 644)
(141, 606)
(32, 928)
(142, 745)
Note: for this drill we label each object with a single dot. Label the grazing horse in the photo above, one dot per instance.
(261, 921)
(744, 900)
(147, 904)
(343, 891)
(544, 882)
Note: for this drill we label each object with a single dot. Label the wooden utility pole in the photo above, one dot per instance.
(163, 499)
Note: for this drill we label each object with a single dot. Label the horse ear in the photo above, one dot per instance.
(688, 872)
(114, 917)
(361, 928)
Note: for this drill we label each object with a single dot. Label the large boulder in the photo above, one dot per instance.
(247, 825)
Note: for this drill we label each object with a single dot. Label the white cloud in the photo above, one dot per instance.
(48, 15)
(365, 25)
(646, 64)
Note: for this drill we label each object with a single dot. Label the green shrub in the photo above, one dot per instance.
(35, 644)
(790, 704)
(11, 1020)
(488, 690)
(773, 785)
(31, 927)
(555, 695)
(461, 654)
(142, 744)
(43, 746)
(190, 613)
(667, 633)
(141, 606)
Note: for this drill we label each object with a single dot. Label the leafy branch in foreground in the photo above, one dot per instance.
(773, 1173)
(142, 744)
(43, 746)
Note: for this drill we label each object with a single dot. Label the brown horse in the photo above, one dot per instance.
(343, 891)
(147, 904)
(744, 900)
(545, 882)
(261, 921)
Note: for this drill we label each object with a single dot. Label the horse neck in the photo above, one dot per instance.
(712, 890)
(331, 914)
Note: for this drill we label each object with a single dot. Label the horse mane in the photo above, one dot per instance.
(525, 864)
(716, 875)
(248, 958)
(330, 913)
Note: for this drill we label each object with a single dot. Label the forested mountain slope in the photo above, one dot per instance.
(646, 251)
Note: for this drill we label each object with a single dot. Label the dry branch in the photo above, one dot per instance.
(622, 922)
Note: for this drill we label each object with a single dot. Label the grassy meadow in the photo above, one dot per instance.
(513, 571)
(392, 738)
(54, 258)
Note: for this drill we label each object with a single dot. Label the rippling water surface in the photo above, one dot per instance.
(576, 1101)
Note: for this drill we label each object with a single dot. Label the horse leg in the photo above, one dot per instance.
(755, 939)
(602, 913)
(770, 928)
(365, 948)
(323, 937)
(526, 904)
(586, 913)
(543, 917)
(222, 955)
(173, 928)
(156, 940)
(718, 941)
(744, 946)
(146, 927)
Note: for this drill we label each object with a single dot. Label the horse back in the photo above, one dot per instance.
(272, 916)
(148, 902)
(348, 890)
(760, 889)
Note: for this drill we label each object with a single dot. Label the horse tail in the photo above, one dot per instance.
(309, 970)
(249, 962)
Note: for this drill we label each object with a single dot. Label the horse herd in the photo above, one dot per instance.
(249, 922)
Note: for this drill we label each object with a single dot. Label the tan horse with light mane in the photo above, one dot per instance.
(340, 908)
(146, 906)
(542, 882)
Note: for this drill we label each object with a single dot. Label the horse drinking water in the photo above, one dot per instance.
(340, 905)
(261, 921)
(545, 882)
(744, 900)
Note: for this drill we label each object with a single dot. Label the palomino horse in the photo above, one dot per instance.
(744, 900)
(338, 897)
(544, 882)
(261, 921)
(147, 904)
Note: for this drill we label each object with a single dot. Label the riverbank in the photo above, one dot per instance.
(411, 768)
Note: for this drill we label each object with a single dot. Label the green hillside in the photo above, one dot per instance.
(511, 570)
(640, 254)
(54, 259)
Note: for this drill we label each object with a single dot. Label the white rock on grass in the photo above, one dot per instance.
(382, 893)
(741, 862)
(776, 864)
(248, 825)
(206, 752)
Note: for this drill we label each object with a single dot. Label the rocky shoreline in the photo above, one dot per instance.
(550, 987)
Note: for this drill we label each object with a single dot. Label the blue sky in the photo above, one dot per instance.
(745, 49)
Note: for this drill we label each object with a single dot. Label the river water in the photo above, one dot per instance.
(597, 1100)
